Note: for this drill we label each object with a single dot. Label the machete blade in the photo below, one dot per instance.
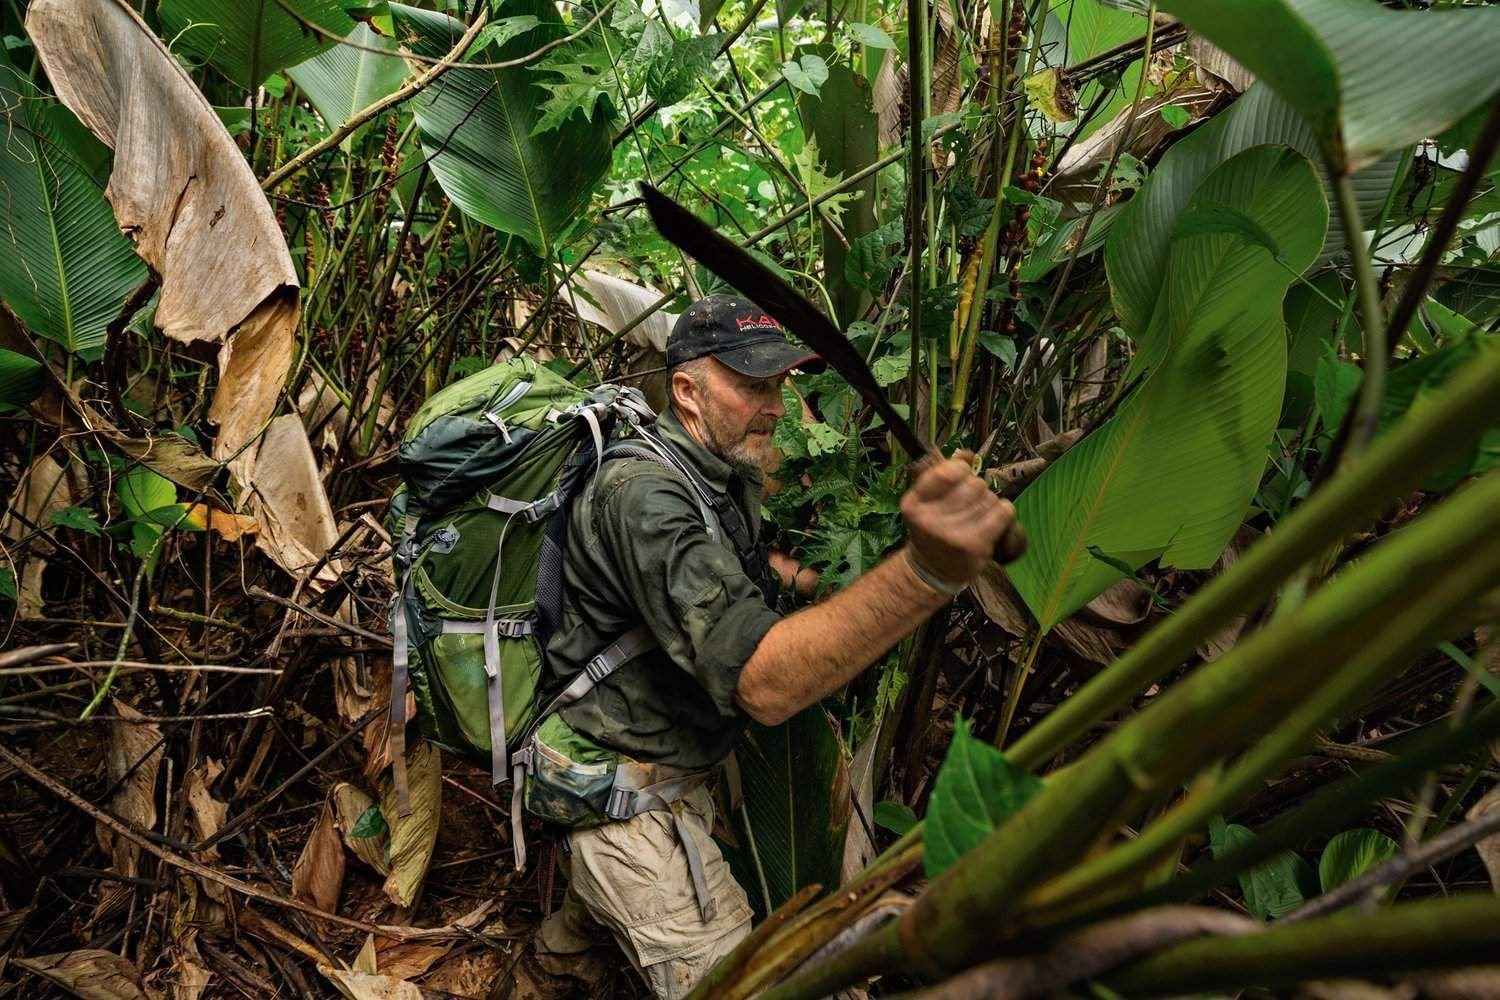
(789, 306)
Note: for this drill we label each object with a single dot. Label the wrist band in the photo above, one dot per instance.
(942, 587)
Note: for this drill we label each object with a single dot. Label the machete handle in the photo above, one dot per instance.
(1012, 544)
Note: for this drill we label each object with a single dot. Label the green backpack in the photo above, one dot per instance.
(489, 466)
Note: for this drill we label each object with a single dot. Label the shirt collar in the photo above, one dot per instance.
(714, 470)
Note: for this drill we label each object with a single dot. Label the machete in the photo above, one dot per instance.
(793, 310)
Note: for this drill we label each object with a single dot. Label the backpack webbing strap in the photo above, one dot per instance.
(396, 729)
(627, 801)
(607, 661)
(531, 510)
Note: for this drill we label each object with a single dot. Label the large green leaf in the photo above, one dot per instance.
(976, 791)
(67, 268)
(1136, 254)
(1367, 79)
(248, 40)
(348, 78)
(1170, 475)
(842, 120)
(476, 127)
(790, 833)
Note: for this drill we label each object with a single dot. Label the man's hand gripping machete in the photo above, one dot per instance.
(803, 319)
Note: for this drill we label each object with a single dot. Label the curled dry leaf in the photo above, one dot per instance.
(208, 813)
(349, 804)
(408, 959)
(1124, 603)
(318, 875)
(365, 986)
(133, 762)
(189, 977)
(609, 301)
(1079, 167)
(1216, 68)
(290, 504)
(413, 836)
(184, 192)
(45, 491)
(470, 974)
(90, 973)
(997, 596)
(230, 527)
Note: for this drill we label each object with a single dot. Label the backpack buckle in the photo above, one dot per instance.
(621, 803)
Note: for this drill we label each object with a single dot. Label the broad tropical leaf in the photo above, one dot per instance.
(1170, 475)
(248, 40)
(976, 791)
(347, 78)
(1366, 79)
(790, 832)
(1136, 254)
(476, 127)
(842, 121)
(68, 269)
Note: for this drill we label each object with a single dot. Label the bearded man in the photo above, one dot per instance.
(672, 542)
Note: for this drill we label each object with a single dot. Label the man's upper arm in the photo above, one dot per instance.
(690, 590)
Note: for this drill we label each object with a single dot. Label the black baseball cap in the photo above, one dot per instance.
(740, 334)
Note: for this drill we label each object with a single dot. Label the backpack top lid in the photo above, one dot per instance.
(467, 434)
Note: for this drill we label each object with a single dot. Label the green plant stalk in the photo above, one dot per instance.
(1332, 807)
(1216, 711)
(1392, 629)
(1438, 933)
(1422, 444)
(964, 364)
(918, 93)
(1372, 389)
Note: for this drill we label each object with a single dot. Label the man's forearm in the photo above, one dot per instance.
(818, 650)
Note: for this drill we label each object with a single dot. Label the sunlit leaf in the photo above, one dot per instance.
(348, 78)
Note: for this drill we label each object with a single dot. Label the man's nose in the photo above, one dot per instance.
(777, 407)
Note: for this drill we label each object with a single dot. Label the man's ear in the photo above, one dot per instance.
(682, 390)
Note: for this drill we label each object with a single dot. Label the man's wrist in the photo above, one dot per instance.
(943, 588)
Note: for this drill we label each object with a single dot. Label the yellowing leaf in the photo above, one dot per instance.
(413, 836)
(1053, 96)
(228, 526)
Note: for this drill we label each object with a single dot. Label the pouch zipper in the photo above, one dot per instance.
(493, 413)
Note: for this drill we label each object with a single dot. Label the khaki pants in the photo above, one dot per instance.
(631, 879)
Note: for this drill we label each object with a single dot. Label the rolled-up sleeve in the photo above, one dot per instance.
(691, 591)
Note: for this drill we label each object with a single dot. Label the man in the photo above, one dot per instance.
(639, 551)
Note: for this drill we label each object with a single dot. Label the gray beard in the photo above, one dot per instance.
(740, 456)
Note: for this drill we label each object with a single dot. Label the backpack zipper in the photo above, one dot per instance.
(493, 413)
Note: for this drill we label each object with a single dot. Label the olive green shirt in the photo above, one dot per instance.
(638, 551)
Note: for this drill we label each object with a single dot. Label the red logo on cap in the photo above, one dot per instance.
(756, 322)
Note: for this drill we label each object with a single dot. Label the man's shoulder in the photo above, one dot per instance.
(632, 482)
